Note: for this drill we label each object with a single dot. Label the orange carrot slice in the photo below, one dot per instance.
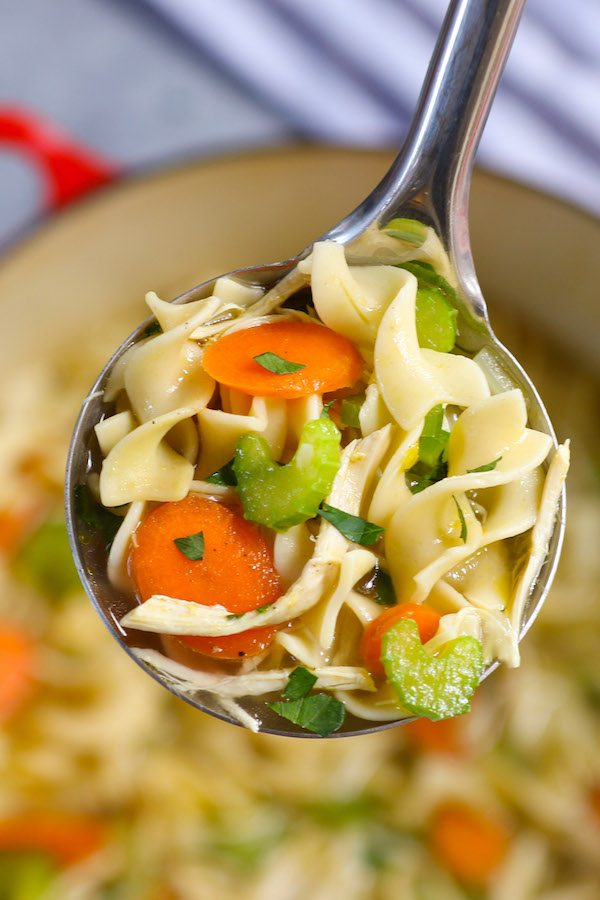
(17, 662)
(426, 736)
(236, 571)
(469, 843)
(15, 524)
(426, 618)
(65, 838)
(329, 361)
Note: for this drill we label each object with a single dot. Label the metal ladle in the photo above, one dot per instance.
(428, 181)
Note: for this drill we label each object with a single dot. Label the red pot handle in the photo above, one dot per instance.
(67, 169)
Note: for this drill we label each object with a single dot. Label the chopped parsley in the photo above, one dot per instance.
(319, 713)
(352, 527)
(225, 475)
(463, 523)
(487, 467)
(191, 546)
(276, 364)
(96, 517)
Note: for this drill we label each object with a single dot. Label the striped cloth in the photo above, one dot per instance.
(349, 71)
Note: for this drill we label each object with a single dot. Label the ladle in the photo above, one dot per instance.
(429, 181)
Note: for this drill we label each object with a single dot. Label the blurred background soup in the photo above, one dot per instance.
(109, 786)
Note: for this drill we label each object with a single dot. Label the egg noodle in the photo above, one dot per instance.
(112, 789)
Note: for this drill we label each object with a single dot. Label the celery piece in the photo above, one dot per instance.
(436, 320)
(427, 277)
(408, 230)
(434, 440)
(436, 307)
(433, 447)
(436, 687)
(281, 496)
(25, 875)
(45, 561)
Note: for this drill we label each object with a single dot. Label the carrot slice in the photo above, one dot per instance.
(426, 736)
(17, 661)
(329, 361)
(370, 646)
(15, 525)
(236, 571)
(65, 838)
(468, 842)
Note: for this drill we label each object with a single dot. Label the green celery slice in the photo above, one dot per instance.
(282, 496)
(434, 440)
(437, 303)
(436, 687)
(436, 320)
(45, 561)
(410, 231)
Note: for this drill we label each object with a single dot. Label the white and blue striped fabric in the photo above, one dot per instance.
(349, 71)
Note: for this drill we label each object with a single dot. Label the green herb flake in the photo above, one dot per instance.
(463, 524)
(325, 410)
(191, 546)
(377, 585)
(151, 329)
(96, 517)
(341, 812)
(408, 230)
(319, 713)
(487, 467)
(224, 476)
(352, 527)
(276, 364)
(263, 609)
(300, 683)
(351, 410)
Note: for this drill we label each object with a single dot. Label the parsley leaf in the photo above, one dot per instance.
(273, 363)
(487, 467)
(463, 524)
(325, 410)
(352, 527)
(377, 585)
(351, 410)
(96, 517)
(151, 329)
(191, 546)
(319, 713)
(225, 475)
(300, 683)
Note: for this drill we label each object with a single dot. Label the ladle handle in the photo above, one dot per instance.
(432, 172)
